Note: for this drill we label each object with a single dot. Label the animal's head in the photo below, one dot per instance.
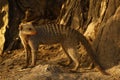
(27, 28)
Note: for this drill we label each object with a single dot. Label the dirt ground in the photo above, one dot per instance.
(47, 67)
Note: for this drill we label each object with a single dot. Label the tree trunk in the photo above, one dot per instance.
(3, 22)
(38, 10)
(104, 31)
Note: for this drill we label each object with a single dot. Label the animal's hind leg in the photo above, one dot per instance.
(72, 53)
(69, 58)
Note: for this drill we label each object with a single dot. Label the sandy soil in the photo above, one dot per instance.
(47, 67)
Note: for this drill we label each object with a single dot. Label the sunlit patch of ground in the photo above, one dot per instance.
(47, 67)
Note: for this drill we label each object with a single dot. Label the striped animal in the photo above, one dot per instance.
(69, 38)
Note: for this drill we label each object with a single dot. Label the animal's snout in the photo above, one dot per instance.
(33, 33)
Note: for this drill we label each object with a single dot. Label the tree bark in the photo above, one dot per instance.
(104, 31)
(3, 22)
(107, 42)
(37, 9)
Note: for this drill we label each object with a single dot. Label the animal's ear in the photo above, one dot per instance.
(20, 27)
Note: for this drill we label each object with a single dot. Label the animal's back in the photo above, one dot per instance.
(54, 33)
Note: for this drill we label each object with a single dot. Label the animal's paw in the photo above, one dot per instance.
(31, 66)
(25, 66)
(65, 64)
(73, 70)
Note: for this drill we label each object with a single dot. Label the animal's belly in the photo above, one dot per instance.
(51, 40)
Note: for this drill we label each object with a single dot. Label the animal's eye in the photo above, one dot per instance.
(30, 29)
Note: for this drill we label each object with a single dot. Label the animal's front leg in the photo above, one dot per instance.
(34, 48)
(33, 54)
(26, 51)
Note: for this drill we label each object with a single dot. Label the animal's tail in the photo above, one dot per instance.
(91, 52)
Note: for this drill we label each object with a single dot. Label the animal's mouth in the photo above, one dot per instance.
(33, 33)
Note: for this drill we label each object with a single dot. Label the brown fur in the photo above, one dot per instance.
(69, 38)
